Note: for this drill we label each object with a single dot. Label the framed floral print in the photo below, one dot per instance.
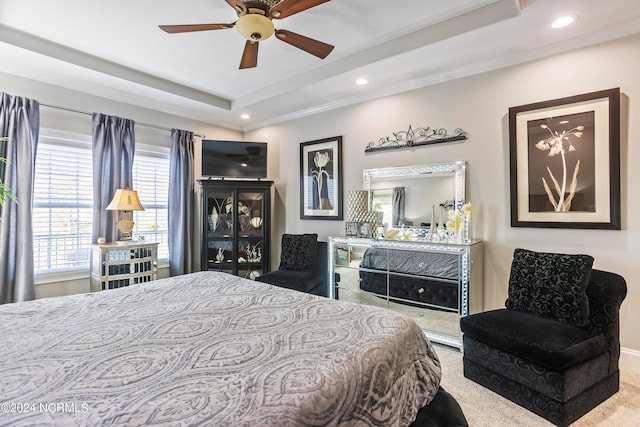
(321, 179)
(565, 162)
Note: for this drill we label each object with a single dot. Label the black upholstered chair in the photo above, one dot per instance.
(442, 411)
(555, 348)
(303, 265)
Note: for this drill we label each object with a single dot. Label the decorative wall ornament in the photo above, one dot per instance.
(415, 138)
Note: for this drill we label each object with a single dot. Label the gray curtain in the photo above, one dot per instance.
(20, 122)
(397, 205)
(181, 199)
(113, 150)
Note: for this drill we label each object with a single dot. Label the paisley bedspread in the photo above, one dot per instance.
(210, 349)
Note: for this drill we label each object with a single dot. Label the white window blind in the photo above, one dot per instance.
(62, 208)
(151, 181)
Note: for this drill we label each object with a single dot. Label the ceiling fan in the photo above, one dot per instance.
(253, 154)
(255, 25)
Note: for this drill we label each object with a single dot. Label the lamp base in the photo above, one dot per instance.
(125, 226)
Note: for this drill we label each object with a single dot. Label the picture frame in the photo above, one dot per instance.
(321, 179)
(565, 162)
(351, 229)
(364, 230)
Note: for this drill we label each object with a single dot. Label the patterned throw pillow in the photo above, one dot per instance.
(550, 285)
(298, 252)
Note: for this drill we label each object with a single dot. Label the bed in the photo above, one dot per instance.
(211, 349)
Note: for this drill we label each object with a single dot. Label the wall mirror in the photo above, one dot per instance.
(439, 185)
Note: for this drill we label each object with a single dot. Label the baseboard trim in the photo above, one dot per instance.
(630, 361)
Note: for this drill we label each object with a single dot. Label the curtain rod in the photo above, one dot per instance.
(91, 114)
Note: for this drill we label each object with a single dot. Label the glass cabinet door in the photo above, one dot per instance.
(251, 236)
(250, 214)
(250, 258)
(220, 231)
(235, 226)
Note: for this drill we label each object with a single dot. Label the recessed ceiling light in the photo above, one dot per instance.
(244, 165)
(245, 116)
(362, 81)
(563, 21)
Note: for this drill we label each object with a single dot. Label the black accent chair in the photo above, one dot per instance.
(442, 411)
(555, 349)
(303, 265)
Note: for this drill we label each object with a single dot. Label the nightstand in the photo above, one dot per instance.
(116, 265)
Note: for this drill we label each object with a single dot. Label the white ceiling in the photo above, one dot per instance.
(117, 50)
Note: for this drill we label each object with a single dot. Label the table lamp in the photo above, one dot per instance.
(126, 201)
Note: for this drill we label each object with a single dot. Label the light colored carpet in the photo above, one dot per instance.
(483, 407)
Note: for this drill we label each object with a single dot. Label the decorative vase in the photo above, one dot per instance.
(434, 235)
(466, 212)
(468, 236)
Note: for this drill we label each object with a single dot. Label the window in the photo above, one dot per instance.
(151, 181)
(63, 200)
(382, 198)
(62, 204)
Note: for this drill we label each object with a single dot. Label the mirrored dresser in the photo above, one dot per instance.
(434, 283)
(424, 268)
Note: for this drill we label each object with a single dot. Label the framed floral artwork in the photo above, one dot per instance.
(565, 162)
(321, 179)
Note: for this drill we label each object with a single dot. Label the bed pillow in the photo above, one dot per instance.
(550, 285)
(298, 252)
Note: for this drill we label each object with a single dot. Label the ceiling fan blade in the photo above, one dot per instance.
(172, 29)
(249, 55)
(314, 47)
(289, 7)
(237, 5)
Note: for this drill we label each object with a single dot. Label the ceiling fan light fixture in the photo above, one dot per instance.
(254, 27)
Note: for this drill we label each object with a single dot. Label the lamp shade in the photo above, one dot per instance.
(125, 200)
(254, 27)
(357, 205)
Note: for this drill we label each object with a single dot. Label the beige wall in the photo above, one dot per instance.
(480, 106)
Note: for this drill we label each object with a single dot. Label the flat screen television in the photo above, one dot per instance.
(234, 159)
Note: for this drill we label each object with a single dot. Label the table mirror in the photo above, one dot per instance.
(427, 190)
